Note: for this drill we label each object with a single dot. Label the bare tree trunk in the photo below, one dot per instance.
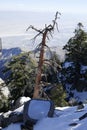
(41, 59)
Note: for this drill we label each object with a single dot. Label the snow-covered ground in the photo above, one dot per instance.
(65, 118)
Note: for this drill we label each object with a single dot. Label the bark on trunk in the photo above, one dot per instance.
(40, 64)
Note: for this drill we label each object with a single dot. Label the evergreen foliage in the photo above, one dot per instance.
(73, 77)
(22, 76)
(52, 86)
(58, 95)
(77, 46)
(22, 72)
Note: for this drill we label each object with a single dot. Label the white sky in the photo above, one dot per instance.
(74, 6)
(17, 15)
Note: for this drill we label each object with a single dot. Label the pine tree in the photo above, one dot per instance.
(76, 56)
(51, 82)
(21, 77)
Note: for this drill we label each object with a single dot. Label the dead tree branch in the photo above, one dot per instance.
(44, 32)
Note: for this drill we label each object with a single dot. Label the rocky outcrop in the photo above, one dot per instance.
(15, 115)
(11, 118)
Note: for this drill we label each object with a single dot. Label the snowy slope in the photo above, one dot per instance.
(66, 117)
(63, 119)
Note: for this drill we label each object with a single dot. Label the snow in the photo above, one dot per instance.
(78, 96)
(4, 89)
(83, 69)
(24, 99)
(1, 81)
(63, 119)
(67, 64)
(19, 110)
(13, 127)
(67, 116)
(81, 96)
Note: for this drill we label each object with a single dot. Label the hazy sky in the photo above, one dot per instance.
(73, 6)
(17, 15)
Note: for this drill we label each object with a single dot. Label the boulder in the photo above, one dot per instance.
(37, 109)
(20, 101)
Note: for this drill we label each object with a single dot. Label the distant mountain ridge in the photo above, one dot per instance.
(6, 55)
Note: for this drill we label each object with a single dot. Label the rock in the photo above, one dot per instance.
(13, 118)
(83, 116)
(10, 117)
(33, 113)
(20, 101)
(80, 106)
(73, 124)
(1, 118)
(23, 127)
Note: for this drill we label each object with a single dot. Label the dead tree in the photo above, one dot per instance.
(48, 30)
